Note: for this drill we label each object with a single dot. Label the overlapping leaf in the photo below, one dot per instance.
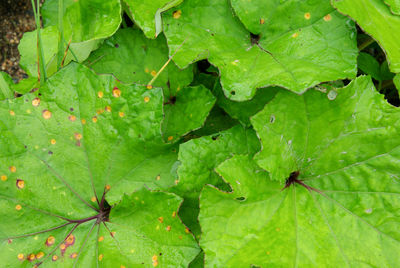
(147, 14)
(198, 159)
(313, 44)
(375, 18)
(61, 149)
(332, 193)
(394, 6)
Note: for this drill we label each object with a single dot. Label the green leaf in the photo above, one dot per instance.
(351, 221)
(147, 14)
(394, 6)
(297, 53)
(198, 159)
(82, 139)
(375, 18)
(141, 59)
(5, 86)
(396, 81)
(84, 20)
(187, 112)
(319, 134)
(369, 65)
(244, 110)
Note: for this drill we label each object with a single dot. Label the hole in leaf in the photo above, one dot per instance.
(240, 198)
(215, 137)
(233, 92)
(254, 38)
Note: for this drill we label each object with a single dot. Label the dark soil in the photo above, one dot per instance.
(16, 17)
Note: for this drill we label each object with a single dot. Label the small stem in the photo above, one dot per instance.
(366, 43)
(65, 53)
(387, 84)
(165, 65)
(85, 219)
(40, 232)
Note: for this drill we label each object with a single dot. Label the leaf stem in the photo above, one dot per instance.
(366, 43)
(40, 232)
(165, 65)
(42, 76)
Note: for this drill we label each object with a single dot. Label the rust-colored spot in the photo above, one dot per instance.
(108, 187)
(18, 207)
(170, 138)
(31, 257)
(161, 219)
(154, 258)
(307, 16)
(13, 169)
(177, 14)
(262, 21)
(63, 246)
(101, 257)
(153, 73)
(100, 111)
(36, 102)
(174, 214)
(20, 184)
(78, 136)
(176, 181)
(101, 238)
(12, 112)
(94, 119)
(121, 114)
(9, 241)
(3, 177)
(73, 255)
(187, 230)
(327, 17)
(78, 143)
(28, 111)
(116, 92)
(83, 121)
(155, 263)
(72, 118)
(149, 86)
(108, 108)
(53, 141)
(93, 199)
(21, 256)
(50, 241)
(46, 114)
(158, 177)
(54, 258)
(168, 228)
(70, 240)
(40, 255)
(122, 266)
(147, 70)
(100, 94)
(146, 99)
(295, 35)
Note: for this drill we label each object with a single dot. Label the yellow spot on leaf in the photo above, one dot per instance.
(158, 177)
(31, 257)
(147, 70)
(328, 17)
(12, 112)
(100, 111)
(63, 246)
(18, 207)
(39, 255)
(28, 111)
(101, 238)
(121, 114)
(20, 184)
(83, 121)
(108, 187)
(13, 169)
(78, 136)
(146, 99)
(262, 21)
(53, 141)
(176, 181)
(73, 255)
(170, 138)
(36, 102)
(108, 108)
(94, 119)
(3, 177)
(153, 73)
(187, 230)
(295, 35)
(72, 118)
(149, 86)
(46, 114)
(268, 252)
(168, 228)
(177, 14)
(93, 199)
(174, 214)
(100, 94)
(122, 266)
(307, 16)
(132, 251)
(154, 258)
(116, 92)
(101, 257)
(54, 258)
(278, 229)
(21, 256)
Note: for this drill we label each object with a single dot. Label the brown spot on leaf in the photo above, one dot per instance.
(177, 14)
(36, 102)
(20, 184)
(50, 241)
(72, 118)
(46, 114)
(116, 92)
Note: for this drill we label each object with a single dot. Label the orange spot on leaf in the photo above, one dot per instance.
(46, 114)
(18, 207)
(36, 102)
(50, 241)
(116, 92)
(72, 118)
(20, 184)
(13, 169)
(177, 14)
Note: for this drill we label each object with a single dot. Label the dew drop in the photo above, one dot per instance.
(332, 95)
(368, 210)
